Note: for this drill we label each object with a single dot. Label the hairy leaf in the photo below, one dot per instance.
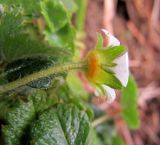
(64, 125)
(18, 119)
(41, 101)
(30, 6)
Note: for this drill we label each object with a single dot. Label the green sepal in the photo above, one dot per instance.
(109, 64)
(99, 44)
(112, 81)
(103, 77)
(107, 69)
(111, 53)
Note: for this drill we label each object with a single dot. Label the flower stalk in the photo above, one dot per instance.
(41, 74)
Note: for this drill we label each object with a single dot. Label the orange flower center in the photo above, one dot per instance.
(93, 65)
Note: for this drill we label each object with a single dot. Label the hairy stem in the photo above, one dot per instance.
(41, 74)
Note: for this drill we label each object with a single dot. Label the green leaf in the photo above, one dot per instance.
(41, 101)
(54, 13)
(75, 85)
(15, 44)
(47, 130)
(18, 119)
(64, 125)
(63, 38)
(129, 104)
(93, 139)
(116, 140)
(9, 26)
(30, 6)
(74, 123)
(4, 108)
(22, 46)
(70, 6)
(81, 14)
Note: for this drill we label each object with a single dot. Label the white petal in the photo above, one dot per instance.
(110, 93)
(112, 41)
(121, 69)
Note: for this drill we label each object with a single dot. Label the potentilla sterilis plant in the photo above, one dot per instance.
(107, 66)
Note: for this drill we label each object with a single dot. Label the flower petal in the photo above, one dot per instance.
(111, 95)
(111, 40)
(121, 69)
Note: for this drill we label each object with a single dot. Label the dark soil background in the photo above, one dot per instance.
(137, 24)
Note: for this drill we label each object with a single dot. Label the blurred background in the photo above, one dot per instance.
(137, 24)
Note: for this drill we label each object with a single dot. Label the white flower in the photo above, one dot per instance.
(121, 70)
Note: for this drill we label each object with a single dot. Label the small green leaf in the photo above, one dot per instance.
(70, 6)
(63, 38)
(129, 104)
(64, 125)
(41, 101)
(54, 13)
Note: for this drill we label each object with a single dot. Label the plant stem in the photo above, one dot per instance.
(100, 120)
(41, 74)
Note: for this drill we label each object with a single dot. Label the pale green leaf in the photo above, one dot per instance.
(129, 104)
(116, 140)
(54, 13)
(70, 6)
(63, 38)
(75, 85)
(92, 138)
(81, 14)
